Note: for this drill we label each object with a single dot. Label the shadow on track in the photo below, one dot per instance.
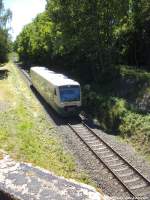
(59, 120)
(5, 196)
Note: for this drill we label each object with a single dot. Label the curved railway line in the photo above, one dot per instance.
(128, 176)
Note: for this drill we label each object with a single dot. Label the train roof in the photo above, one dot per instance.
(53, 77)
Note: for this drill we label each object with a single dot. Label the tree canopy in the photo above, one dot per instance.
(5, 17)
(88, 37)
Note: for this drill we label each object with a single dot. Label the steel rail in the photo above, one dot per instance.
(104, 163)
(121, 157)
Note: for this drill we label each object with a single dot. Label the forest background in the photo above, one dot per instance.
(105, 45)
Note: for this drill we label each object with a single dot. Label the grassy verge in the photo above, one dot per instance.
(26, 134)
(135, 129)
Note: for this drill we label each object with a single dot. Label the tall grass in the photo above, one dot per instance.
(26, 134)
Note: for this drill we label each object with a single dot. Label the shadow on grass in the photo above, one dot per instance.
(3, 74)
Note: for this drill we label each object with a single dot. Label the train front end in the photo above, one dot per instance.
(70, 100)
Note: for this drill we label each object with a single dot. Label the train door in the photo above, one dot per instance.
(55, 96)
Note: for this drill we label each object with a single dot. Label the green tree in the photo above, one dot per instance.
(5, 17)
(140, 44)
(84, 33)
(88, 36)
(34, 43)
(133, 35)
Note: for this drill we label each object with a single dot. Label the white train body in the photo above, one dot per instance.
(62, 93)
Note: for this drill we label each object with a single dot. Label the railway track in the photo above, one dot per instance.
(128, 176)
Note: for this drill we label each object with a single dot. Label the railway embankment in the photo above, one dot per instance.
(120, 105)
(26, 134)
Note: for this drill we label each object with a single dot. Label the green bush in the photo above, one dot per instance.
(135, 128)
(108, 110)
(135, 74)
(115, 116)
(133, 124)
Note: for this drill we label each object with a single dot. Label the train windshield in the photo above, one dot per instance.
(69, 93)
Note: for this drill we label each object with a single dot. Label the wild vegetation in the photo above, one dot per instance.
(96, 42)
(119, 107)
(5, 16)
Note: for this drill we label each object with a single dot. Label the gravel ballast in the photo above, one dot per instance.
(88, 163)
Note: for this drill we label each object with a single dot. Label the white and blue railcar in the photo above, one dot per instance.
(62, 93)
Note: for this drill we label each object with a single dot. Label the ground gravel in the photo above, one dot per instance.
(128, 152)
(85, 160)
(88, 163)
